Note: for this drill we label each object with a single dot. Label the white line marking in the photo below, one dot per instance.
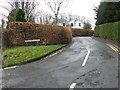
(8, 68)
(54, 54)
(72, 86)
(86, 58)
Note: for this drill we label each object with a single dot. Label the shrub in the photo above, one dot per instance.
(48, 34)
(81, 32)
(20, 15)
(108, 31)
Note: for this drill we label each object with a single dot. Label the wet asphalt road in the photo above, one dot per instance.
(65, 68)
(0, 70)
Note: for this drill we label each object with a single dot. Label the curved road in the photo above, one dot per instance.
(65, 68)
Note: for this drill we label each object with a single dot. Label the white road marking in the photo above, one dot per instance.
(86, 58)
(72, 86)
(54, 54)
(8, 68)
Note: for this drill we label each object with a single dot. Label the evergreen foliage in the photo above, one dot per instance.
(87, 25)
(20, 15)
(107, 12)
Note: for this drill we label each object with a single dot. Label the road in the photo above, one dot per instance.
(0, 64)
(99, 71)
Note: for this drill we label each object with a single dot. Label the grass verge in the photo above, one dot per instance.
(21, 54)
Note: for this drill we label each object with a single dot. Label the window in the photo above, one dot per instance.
(79, 24)
(63, 24)
(72, 24)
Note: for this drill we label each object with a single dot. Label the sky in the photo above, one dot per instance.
(83, 8)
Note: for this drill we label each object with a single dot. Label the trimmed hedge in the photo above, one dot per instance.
(108, 31)
(48, 34)
(81, 32)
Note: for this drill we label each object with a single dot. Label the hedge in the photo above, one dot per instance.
(81, 32)
(108, 31)
(48, 34)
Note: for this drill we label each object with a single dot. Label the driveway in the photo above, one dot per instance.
(100, 68)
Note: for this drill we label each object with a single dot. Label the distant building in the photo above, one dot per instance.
(75, 24)
(72, 23)
(62, 22)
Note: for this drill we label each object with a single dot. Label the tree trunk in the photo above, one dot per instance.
(56, 19)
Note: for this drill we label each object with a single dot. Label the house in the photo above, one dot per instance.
(62, 22)
(72, 23)
(75, 24)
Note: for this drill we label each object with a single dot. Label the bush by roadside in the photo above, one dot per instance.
(108, 31)
(81, 32)
(48, 34)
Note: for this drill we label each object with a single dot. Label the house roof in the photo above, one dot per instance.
(73, 21)
(62, 21)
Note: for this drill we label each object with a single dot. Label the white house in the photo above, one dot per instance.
(72, 23)
(62, 22)
(76, 24)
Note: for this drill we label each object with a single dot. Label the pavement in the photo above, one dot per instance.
(100, 69)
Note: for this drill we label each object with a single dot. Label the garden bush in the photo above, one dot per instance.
(108, 31)
(81, 32)
(48, 34)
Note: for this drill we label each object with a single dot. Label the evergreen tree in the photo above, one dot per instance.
(107, 12)
(87, 25)
(20, 16)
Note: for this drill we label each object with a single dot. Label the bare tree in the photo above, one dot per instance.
(44, 17)
(55, 6)
(3, 24)
(29, 8)
(27, 5)
(13, 4)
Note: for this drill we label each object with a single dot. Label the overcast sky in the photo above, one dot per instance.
(77, 7)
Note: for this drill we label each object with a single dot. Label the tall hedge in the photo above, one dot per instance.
(80, 32)
(48, 34)
(108, 31)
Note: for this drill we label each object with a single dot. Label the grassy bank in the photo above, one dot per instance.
(108, 31)
(20, 54)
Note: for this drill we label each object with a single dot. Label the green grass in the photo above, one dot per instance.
(20, 54)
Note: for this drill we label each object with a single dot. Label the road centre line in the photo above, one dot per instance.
(86, 58)
(72, 86)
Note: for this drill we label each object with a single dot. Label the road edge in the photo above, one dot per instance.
(55, 52)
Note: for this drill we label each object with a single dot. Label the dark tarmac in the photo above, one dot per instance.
(65, 68)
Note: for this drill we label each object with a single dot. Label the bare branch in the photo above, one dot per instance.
(3, 15)
(11, 4)
(49, 4)
(55, 6)
(6, 8)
